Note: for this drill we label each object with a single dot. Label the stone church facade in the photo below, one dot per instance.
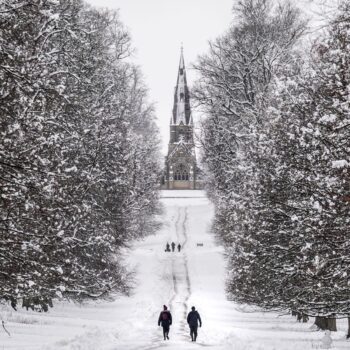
(181, 171)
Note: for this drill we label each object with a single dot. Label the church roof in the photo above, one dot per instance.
(181, 109)
(181, 145)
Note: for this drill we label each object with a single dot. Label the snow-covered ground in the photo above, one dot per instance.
(195, 276)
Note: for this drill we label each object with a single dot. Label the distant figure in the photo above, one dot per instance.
(179, 247)
(167, 247)
(192, 319)
(173, 246)
(165, 320)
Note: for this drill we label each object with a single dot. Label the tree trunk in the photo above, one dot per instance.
(331, 324)
(320, 322)
(324, 323)
(348, 335)
(301, 317)
(305, 318)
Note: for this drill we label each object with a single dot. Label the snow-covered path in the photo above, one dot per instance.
(194, 276)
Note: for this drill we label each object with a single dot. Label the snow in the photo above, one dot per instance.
(72, 169)
(195, 276)
(326, 341)
(328, 118)
(342, 163)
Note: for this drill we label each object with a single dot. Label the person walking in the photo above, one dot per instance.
(192, 319)
(179, 247)
(167, 247)
(165, 320)
(173, 246)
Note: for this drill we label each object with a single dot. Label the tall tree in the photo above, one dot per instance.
(282, 202)
(69, 122)
(314, 124)
(236, 81)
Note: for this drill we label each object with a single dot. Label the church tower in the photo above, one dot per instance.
(180, 163)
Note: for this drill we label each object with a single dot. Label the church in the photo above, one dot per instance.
(181, 171)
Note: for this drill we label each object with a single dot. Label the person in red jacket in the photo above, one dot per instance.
(165, 320)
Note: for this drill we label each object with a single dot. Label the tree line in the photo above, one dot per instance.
(276, 151)
(78, 152)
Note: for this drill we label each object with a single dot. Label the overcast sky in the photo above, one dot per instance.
(158, 27)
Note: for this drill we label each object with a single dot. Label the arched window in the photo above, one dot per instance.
(181, 173)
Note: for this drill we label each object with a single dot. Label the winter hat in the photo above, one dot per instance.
(193, 308)
(165, 307)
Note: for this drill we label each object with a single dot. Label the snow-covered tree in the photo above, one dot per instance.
(72, 111)
(280, 182)
(312, 144)
(234, 90)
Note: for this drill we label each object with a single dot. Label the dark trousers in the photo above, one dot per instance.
(193, 332)
(166, 330)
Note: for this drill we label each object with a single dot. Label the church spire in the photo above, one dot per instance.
(181, 109)
(180, 163)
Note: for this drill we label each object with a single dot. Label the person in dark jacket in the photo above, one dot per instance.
(165, 320)
(192, 319)
(179, 247)
(173, 246)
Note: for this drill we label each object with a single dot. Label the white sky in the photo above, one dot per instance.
(157, 28)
